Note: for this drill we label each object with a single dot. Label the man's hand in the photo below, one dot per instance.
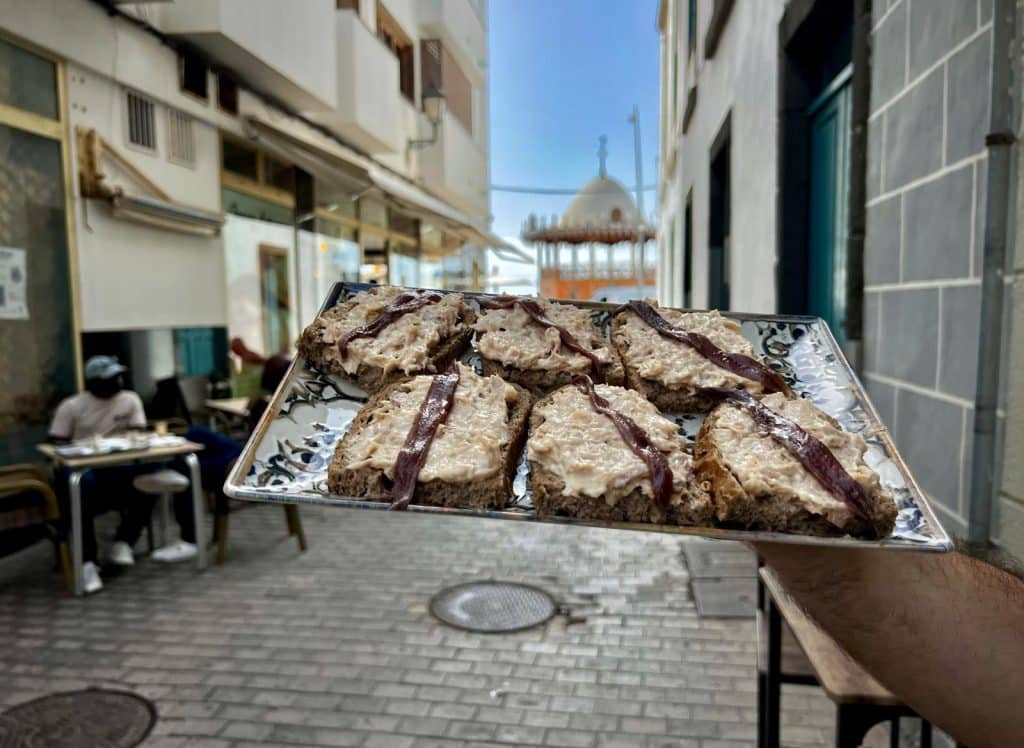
(944, 632)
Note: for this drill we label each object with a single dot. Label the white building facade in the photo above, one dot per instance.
(212, 167)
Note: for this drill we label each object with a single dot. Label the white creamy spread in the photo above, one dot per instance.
(675, 364)
(585, 450)
(404, 345)
(512, 337)
(763, 466)
(467, 446)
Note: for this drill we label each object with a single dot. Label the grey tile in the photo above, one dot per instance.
(986, 10)
(937, 234)
(967, 99)
(967, 463)
(889, 59)
(725, 598)
(961, 310)
(874, 166)
(872, 341)
(929, 433)
(884, 398)
(882, 243)
(909, 346)
(935, 28)
(913, 133)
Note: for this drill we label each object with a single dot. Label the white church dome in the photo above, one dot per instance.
(601, 202)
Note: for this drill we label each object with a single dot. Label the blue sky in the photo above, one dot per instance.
(562, 73)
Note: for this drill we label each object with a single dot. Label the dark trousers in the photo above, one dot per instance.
(216, 459)
(104, 490)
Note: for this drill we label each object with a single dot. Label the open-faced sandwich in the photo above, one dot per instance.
(449, 439)
(542, 345)
(783, 465)
(670, 356)
(388, 333)
(604, 452)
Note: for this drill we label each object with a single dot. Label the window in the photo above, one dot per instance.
(181, 147)
(616, 216)
(439, 68)
(28, 81)
(194, 79)
(141, 121)
(691, 27)
(395, 39)
(240, 159)
(227, 93)
(278, 174)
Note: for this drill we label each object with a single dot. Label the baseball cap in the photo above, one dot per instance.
(103, 367)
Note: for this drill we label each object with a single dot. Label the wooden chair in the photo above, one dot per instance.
(29, 512)
(792, 648)
(222, 511)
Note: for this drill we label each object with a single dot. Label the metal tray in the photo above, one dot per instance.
(287, 456)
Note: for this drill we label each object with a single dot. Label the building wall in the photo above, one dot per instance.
(134, 276)
(739, 82)
(925, 220)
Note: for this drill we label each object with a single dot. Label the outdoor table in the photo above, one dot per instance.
(80, 465)
(233, 411)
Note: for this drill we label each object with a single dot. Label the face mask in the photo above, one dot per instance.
(104, 388)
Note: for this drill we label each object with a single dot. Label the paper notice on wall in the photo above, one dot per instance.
(13, 286)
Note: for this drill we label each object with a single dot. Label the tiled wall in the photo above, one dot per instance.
(931, 67)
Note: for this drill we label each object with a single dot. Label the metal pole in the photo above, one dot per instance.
(638, 161)
(1000, 140)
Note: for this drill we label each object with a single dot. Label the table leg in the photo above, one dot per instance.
(75, 494)
(197, 508)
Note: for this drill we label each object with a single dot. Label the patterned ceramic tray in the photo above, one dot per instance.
(287, 456)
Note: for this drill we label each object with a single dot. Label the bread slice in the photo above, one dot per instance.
(518, 349)
(386, 419)
(442, 333)
(581, 467)
(758, 485)
(671, 374)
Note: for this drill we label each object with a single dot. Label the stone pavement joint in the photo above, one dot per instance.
(336, 646)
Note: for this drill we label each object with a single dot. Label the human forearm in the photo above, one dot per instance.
(944, 632)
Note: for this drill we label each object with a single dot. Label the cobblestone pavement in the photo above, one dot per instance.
(335, 646)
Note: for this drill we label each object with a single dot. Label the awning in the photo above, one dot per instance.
(329, 159)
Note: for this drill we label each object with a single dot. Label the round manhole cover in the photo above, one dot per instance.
(493, 607)
(96, 717)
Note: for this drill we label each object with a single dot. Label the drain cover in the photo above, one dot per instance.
(492, 607)
(96, 717)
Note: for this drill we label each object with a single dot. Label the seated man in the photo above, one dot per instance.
(104, 408)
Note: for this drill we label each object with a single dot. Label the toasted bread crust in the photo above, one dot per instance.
(734, 506)
(550, 499)
(682, 399)
(371, 483)
(541, 381)
(312, 347)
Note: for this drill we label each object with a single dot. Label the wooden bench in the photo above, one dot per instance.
(792, 648)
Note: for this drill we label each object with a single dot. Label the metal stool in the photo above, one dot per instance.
(164, 484)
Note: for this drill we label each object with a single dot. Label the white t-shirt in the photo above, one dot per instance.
(83, 415)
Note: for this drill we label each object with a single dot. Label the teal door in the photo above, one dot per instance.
(829, 127)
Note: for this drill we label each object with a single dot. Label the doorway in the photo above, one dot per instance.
(39, 341)
(275, 299)
(829, 130)
(718, 221)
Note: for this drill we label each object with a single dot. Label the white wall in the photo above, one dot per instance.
(134, 276)
(735, 80)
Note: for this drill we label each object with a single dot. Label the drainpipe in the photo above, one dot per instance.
(999, 142)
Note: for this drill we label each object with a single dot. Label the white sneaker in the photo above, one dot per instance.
(180, 551)
(91, 581)
(121, 554)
